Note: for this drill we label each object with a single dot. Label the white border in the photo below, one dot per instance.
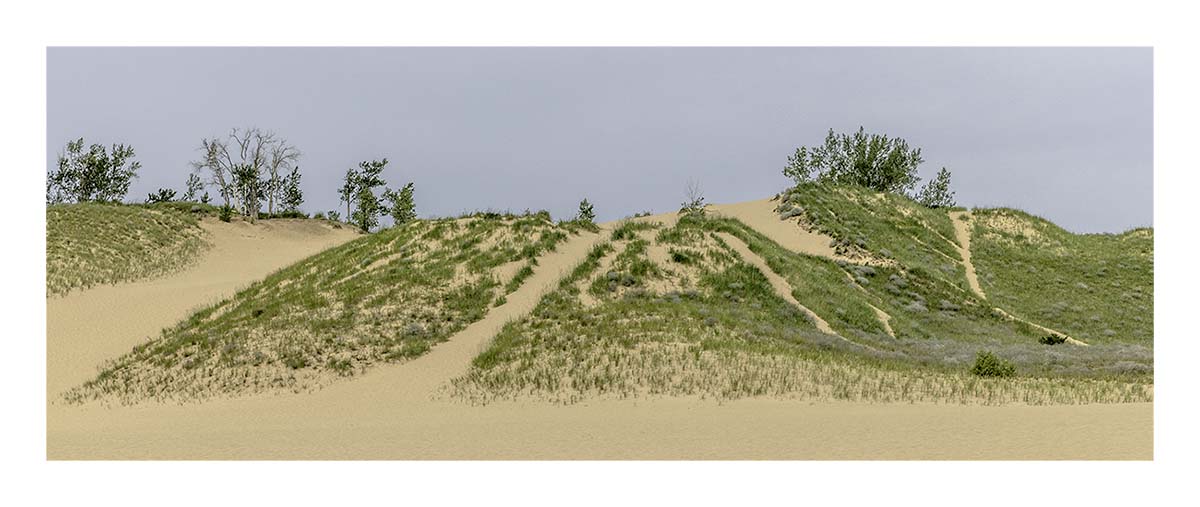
(28, 28)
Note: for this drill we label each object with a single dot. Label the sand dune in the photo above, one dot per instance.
(86, 328)
(395, 412)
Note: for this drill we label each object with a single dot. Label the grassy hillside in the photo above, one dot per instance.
(1098, 288)
(675, 311)
(90, 244)
(385, 297)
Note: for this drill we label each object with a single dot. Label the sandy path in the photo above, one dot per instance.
(388, 414)
(962, 229)
(963, 232)
(86, 328)
(761, 216)
(782, 288)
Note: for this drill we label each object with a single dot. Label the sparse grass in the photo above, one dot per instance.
(385, 297)
(93, 244)
(1098, 288)
(731, 337)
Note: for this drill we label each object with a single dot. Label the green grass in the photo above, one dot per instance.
(94, 244)
(1098, 288)
(385, 297)
(730, 336)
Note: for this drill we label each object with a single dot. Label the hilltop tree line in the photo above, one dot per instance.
(250, 168)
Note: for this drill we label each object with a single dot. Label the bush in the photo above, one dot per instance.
(988, 365)
(1052, 339)
(871, 160)
(226, 213)
(586, 212)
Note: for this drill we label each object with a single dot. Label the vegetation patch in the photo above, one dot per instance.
(90, 244)
(385, 297)
(1098, 288)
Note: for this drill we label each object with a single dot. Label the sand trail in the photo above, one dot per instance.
(962, 229)
(86, 328)
(782, 288)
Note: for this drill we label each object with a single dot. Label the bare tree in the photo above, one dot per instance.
(283, 158)
(249, 152)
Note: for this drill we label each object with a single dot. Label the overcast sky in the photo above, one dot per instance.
(1062, 133)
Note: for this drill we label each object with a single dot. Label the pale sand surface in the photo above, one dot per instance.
(86, 328)
(401, 412)
(761, 216)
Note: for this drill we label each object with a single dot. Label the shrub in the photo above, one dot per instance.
(871, 160)
(1052, 339)
(586, 212)
(226, 213)
(163, 195)
(988, 365)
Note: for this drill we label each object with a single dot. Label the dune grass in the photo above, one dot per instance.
(94, 244)
(385, 297)
(730, 336)
(1098, 288)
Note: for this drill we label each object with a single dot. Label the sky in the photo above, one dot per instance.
(1064, 133)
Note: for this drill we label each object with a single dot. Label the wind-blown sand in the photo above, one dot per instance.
(86, 328)
(400, 412)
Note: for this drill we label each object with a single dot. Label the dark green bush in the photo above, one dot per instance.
(1052, 339)
(226, 213)
(988, 365)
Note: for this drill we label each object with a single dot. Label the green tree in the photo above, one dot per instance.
(936, 193)
(349, 189)
(194, 186)
(366, 213)
(368, 176)
(93, 175)
(248, 187)
(291, 196)
(401, 205)
(872, 160)
(163, 195)
(586, 213)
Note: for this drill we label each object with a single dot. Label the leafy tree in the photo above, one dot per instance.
(291, 196)
(334, 215)
(586, 213)
(248, 188)
(401, 205)
(194, 186)
(163, 195)
(368, 176)
(349, 189)
(936, 193)
(871, 160)
(93, 175)
(366, 214)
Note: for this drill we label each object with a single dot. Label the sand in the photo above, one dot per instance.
(86, 328)
(781, 287)
(401, 412)
(761, 216)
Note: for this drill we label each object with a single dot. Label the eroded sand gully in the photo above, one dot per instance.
(391, 413)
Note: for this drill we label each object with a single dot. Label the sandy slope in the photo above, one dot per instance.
(761, 216)
(86, 328)
(395, 412)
